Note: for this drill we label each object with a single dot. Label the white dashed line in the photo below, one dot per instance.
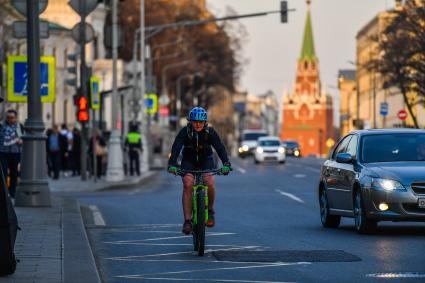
(291, 196)
(397, 275)
(97, 216)
(240, 169)
(300, 176)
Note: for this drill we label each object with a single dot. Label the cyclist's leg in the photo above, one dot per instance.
(209, 181)
(187, 196)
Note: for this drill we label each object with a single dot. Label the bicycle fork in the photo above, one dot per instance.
(199, 191)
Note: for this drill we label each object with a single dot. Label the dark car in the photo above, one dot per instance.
(372, 176)
(292, 148)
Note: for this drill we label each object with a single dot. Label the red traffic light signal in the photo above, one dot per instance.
(82, 114)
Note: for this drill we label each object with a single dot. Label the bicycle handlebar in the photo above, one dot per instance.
(182, 172)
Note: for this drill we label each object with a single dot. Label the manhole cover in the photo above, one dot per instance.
(286, 256)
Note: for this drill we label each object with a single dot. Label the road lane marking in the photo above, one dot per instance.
(203, 280)
(291, 196)
(136, 257)
(277, 264)
(140, 231)
(240, 169)
(300, 175)
(168, 238)
(97, 216)
(397, 275)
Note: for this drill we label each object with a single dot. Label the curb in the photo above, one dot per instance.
(78, 261)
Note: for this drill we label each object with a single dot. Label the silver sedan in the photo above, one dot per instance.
(372, 176)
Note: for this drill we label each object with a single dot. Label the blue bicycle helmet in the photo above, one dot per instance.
(198, 114)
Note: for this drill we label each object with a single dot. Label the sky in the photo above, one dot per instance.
(273, 48)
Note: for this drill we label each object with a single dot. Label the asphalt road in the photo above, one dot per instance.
(268, 230)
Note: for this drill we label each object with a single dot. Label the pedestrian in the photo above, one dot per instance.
(99, 145)
(76, 152)
(65, 154)
(56, 145)
(11, 133)
(133, 144)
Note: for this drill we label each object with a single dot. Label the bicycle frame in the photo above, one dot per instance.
(199, 189)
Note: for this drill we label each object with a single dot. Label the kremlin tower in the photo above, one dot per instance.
(307, 112)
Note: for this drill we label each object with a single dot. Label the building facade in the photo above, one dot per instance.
(348, 111)
(372, 94)
(308, 111)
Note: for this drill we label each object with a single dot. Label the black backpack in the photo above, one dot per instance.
(8, 230)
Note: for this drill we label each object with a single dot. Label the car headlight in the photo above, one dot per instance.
(296, 152)
(388, 185)
(260, 150)
(245, 148)
(240, 150)
(281, 150)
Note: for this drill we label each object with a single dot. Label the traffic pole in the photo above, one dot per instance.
(33, 188)
(115, 170)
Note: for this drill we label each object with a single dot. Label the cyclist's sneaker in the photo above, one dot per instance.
(187, 227)
(211, 218)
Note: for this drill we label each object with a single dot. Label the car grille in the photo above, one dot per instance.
(413, 208)
(418, 188)
(270, 150)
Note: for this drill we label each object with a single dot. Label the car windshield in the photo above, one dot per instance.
(291, 144)
(269, 143)
(393, 148)
(253, 136)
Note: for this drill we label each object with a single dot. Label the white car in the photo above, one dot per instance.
(269, 149)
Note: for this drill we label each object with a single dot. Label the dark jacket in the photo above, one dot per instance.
(62, 142)
(197, 148)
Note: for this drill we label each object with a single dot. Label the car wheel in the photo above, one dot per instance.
(362, 223)
(256, 161)
(328, 220)
(282, 162)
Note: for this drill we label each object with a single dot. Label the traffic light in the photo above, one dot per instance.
(72, 70)
(283, 11)
(83, 111)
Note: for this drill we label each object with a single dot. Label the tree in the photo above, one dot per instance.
(401, 59)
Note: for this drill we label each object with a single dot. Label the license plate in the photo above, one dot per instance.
(269, 158)
(421, 203)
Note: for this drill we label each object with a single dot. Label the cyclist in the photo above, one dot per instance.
(196, 140)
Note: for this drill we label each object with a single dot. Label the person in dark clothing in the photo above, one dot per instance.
(11, 148)
(99, 144)
(76, 152)
(56, 145)
(133, 144)
(196, 139)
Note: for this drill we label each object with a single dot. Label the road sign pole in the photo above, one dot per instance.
(83, 85)
(115, 170)
(33, 188)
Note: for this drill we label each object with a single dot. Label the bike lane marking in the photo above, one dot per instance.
(165, 238)
(97, 216)
(136, 257)
(208, 280)
(278, 264)
(291, 196)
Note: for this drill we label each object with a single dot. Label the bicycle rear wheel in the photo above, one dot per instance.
(200, 227)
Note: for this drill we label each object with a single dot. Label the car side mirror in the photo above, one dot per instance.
(344, 158)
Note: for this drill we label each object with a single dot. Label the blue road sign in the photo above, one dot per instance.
(18, 79)
(151, 103)
(384, 109)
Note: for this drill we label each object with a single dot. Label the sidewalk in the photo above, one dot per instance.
(75, 184)
(52, 245)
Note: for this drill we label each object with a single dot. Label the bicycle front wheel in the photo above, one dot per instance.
(200, 226)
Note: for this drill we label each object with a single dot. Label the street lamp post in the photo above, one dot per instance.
(115, 170)
(33, 189)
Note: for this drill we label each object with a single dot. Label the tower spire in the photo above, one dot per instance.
(307, 51)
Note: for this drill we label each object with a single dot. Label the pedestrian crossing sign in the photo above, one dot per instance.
(151, 102)
(17, 79)
(95, 98)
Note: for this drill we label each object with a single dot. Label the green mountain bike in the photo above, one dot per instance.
(199, 206)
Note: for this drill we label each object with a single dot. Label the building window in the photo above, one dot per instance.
(96, 47)
(65, 58)
(306, 65)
